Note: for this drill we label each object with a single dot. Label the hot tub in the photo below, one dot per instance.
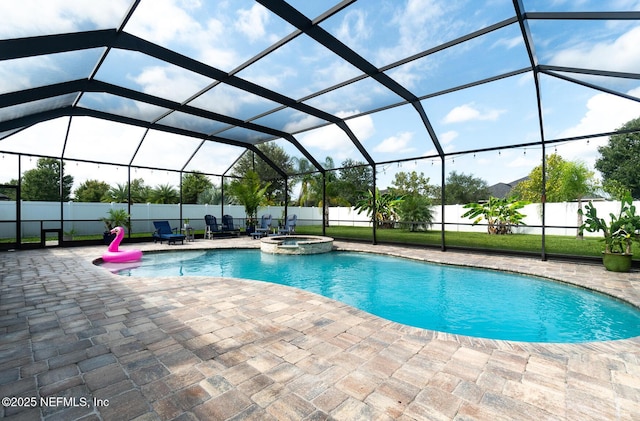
(296, 244)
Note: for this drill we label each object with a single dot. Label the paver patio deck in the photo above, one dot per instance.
(216, 348)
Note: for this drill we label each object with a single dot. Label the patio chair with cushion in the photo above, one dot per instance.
(289, 226)
(212, 226)
(164, 232)
(265, 225)
(228, 227)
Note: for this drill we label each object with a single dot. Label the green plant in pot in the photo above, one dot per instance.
(619, 234)
(115, 218)
(249, 192)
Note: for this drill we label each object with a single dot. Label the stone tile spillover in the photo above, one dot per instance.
(78, 342)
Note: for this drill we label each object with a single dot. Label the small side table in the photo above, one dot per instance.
(188, 233)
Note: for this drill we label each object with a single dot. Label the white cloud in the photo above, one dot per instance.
(396, 144)
(36, 17)
(252, 22)
(163, 21)
(524, 162)
(334, 141)
(621, 54)
(362, 127)
(448, 137)
(469, 112)
(169, 82)
(353, 29)
(416, 28)
(605, 113)
(509, 43)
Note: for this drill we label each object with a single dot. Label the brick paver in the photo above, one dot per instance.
(100, 346)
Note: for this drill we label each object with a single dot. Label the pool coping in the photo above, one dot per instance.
(618, 285)
(460, 259)
(408, 372)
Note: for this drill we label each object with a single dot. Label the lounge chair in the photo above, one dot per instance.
(289, 226)
(228, 227)
(265, 225)
(165, 232)
(211, 226)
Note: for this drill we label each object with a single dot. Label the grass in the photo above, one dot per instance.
(554, 244)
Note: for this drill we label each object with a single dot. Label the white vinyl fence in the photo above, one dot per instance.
(83, 218)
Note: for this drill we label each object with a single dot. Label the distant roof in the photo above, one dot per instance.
(502, 190)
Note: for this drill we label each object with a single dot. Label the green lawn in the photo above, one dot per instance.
(554, 244)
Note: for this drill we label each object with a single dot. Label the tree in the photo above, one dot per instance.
(249, 192)
(252, 162)
(354, 179)
(332, 189)
(415, 212)
(415, 208)
(620, 159)
(139, 191)
(412, 183)
(164, 193)
(462, 188)
(213, 195)
(118, 194)
(10, 192)
(43, 182)
(565, 181)
(383, 213)
(501, 214)
(194, 184)
(91, 191)
(306, 178)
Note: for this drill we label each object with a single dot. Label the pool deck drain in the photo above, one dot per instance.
(216, 348)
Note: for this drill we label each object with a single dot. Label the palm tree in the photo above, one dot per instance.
(384, 212)
(117, 194)
(249, 192)
(306, 179)
(164, 193)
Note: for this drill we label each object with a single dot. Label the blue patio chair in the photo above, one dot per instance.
(211, 226)
(165, 232)
(265, 225)
(289, 226)
(227, 225)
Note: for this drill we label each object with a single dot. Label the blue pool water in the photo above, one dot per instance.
(465, 301)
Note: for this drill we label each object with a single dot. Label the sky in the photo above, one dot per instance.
(228, 34)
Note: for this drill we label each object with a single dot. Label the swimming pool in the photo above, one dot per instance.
(466, 301)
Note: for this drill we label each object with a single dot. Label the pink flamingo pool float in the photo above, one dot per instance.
(120, 256)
